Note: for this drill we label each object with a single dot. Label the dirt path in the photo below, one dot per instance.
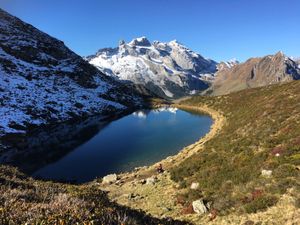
(159, 198)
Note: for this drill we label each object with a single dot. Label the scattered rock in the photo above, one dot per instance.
(213, 214)
(266, 173)
(166, 209)
(187, 210)
(143, 181)
(194, 185)
(119, 182)
(208, 205)
(131, 196)
(109, 179)
(134, 197)
(199, 207)
(151, 180)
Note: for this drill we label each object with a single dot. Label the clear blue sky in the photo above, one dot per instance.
(217, 29)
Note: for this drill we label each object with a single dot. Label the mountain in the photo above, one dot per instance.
(255, 72)
(227, 65)
(169, 69)
(42, 81)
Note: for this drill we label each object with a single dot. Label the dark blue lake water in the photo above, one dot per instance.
(139, 139)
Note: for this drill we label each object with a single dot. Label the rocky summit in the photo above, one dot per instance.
(170, 70)
(255, 72)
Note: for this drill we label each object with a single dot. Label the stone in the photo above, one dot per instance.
(194, 185)
(131, 196)
(143, 181)
(187, 210)
(151, 180)
(119, 182)
(199, 207)
(266, 173)
(109, 179)
(213, 214)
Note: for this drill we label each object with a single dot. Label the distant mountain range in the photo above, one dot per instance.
(42, 81)
(255, 72)
(169, 69)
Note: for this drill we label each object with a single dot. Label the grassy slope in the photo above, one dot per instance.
(260, 123)
(23, 199)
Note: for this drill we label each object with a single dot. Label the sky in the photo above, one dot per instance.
(217, 29)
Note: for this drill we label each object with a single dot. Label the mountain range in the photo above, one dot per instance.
(43, 82)
(255, 72)
(169, 69)
(172, 70)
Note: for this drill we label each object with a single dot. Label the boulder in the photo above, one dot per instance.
(109, 179)
(194, 185)
(151, 180)
(143, 181)
(266, 173)
(199, 207)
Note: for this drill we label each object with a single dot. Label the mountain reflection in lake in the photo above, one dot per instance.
(141, 138)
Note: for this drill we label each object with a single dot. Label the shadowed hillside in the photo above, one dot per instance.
(24, 200)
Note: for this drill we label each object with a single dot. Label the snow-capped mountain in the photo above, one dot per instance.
(42, 81)
(168, 69)
(226, 65)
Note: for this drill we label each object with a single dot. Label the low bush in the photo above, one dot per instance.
(260, 203)
(261, 132)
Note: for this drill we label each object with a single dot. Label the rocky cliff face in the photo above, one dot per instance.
(169, 69)
(255, 72)
(42, 81)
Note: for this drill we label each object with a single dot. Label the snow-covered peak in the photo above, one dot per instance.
(232, 62)
(167, 68)
(175, 43)
(141, 41)
(226, 65)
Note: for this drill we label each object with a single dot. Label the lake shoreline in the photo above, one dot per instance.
(132, 183)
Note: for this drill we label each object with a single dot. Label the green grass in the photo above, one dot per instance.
(260, 123)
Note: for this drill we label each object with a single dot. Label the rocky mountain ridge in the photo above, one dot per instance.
(42, 81)
(255, 72)
(169, 69)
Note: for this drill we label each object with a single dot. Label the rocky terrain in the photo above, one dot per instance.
(255, 72)
(173, 71)
(169, 69)
(42, 81)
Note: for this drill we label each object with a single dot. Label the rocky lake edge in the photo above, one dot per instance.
(155, 193)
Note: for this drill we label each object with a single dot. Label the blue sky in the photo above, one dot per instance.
(217, 29)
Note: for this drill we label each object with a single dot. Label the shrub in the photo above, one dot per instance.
(260, 203)
(285, 170)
